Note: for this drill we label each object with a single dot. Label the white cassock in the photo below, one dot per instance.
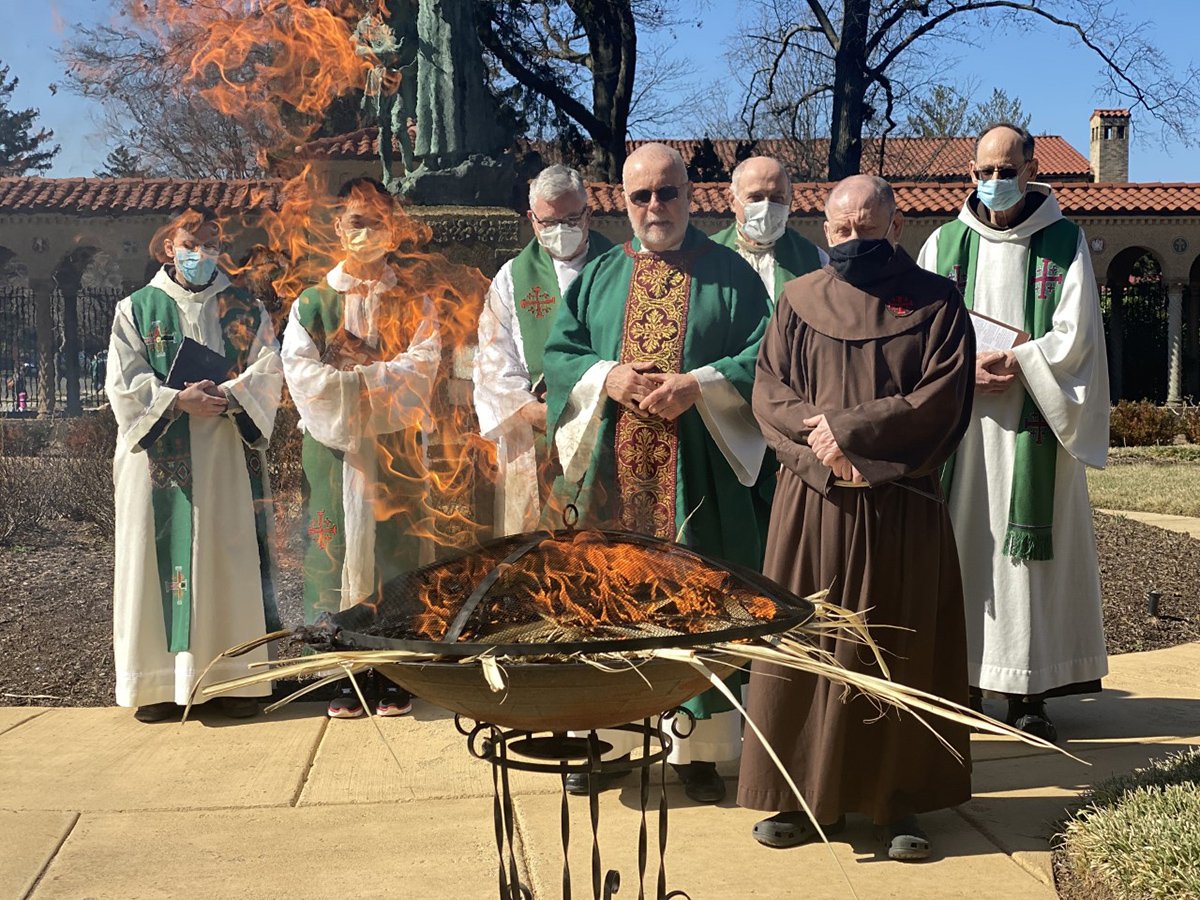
(226, 584)
(329, 402)
(502, 386)
(731, 423)
(1033, 626)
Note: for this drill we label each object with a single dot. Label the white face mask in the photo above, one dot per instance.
(366, 244)
(765, 221)
(562, 241)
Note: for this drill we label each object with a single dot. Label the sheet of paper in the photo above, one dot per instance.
(993, 335)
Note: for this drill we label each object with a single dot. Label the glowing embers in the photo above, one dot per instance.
(573, 590)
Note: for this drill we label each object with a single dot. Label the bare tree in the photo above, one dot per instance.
(849, 57)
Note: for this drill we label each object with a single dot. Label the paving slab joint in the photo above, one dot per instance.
(309, 763)
(16, 725)
(1019, 861)
(37, 880)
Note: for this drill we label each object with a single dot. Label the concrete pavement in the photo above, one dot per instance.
(1188, 525)
(94, 804)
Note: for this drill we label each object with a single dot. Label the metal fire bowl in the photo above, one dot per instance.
(567, 696)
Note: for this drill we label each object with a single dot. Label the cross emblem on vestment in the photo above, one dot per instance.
(322, 530)
(956, 275)
(1036, 426)
(538, 302)
(178, 586)
(157, 339)
(1049, 276)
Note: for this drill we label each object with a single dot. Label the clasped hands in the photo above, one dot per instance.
(995, 371)
(201, 398)
(827, 451)
(637, 387)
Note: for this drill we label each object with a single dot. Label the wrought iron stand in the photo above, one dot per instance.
(509, 750)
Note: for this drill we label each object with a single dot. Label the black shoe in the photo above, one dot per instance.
(975, 700)
(577, 782)
(157, 712)
(238, 707)
(701, 781)
(1030, 717)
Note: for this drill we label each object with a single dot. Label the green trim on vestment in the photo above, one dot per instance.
(397, 549)
(169, 451)
(1031, 503)
(795, 255)
(536, 297)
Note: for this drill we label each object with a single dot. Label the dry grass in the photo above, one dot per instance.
(1139, 834)
(1149, 479)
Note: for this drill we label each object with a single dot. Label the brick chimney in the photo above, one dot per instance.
(1110, 145)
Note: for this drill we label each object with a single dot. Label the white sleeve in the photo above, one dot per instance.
(927, 258)
(502, 384)
(1066, 370)
(329, 401)
(257, 389)
(576, 436)
(400, 390)
(138, 396)
(730, 420)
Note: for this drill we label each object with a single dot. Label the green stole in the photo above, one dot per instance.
(1031, 503)
(536, 297)
(794, 255)
(397, 548)
(169, 450)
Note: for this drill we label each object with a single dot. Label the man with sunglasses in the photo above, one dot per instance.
(649, 369)
(760, 193)
(518, 313)
(1017, 489)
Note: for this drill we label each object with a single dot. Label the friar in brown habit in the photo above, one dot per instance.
(863, 389)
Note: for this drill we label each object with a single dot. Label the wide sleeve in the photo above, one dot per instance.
(257, 389)
(329, 401)
(399, 390)
(502, 384)
(927, 258)
(141, 403)
(1066, 370)
(778, 407)
(915, 432)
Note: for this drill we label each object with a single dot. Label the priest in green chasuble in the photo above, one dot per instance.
(649, 371)
(194, 519)
(517, 315)
(760, 193)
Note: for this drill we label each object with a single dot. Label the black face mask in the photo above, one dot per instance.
(861, 261)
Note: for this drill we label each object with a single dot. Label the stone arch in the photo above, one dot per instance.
(1135, 325)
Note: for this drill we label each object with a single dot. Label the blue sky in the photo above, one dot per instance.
(1056, 80)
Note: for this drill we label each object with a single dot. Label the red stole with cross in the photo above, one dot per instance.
(647, 447)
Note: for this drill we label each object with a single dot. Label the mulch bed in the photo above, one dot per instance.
(56, 605)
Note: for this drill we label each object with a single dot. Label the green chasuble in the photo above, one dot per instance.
(702, 305)
(398, 499)
(794, 255)
(535, 296)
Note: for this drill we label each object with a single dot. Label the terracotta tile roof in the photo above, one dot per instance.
(1111, 112)
(114, 196)
(944, 200)
(906, 158)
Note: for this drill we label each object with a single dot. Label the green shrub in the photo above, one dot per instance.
(1142, 424)
(1138, 836)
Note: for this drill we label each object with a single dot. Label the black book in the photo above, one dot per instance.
(195, 362)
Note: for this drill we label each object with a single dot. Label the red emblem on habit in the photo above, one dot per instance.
(538, 302)
(900, 306)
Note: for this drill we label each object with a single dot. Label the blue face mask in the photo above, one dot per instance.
(195, 266)
(999, 194)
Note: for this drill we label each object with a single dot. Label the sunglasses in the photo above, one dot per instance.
(985, 173)
(665, 194)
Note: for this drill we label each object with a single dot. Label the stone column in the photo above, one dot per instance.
(1174, 343)
(43, 294)
(1116, 342)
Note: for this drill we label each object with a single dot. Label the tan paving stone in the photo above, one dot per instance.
(12, 716)
(431, 761)
(414, 850)
(97, 759)
(1182, 524)
(30, 841)
(711, 854)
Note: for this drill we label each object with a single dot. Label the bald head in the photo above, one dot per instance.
(756, 173)
(657, 196)
(861, 207)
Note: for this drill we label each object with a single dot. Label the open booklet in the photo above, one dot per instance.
(992, 334)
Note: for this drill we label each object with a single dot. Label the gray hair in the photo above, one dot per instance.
(735, 177)
(882, 195)
(555, 181)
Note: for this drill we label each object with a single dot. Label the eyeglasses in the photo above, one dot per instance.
(986, 173)
(665, 194)
(571, 221)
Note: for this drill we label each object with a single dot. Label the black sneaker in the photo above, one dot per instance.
(157, 712)
(1030, 716)
(701, 781)
(346, 704)
(393, 701)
